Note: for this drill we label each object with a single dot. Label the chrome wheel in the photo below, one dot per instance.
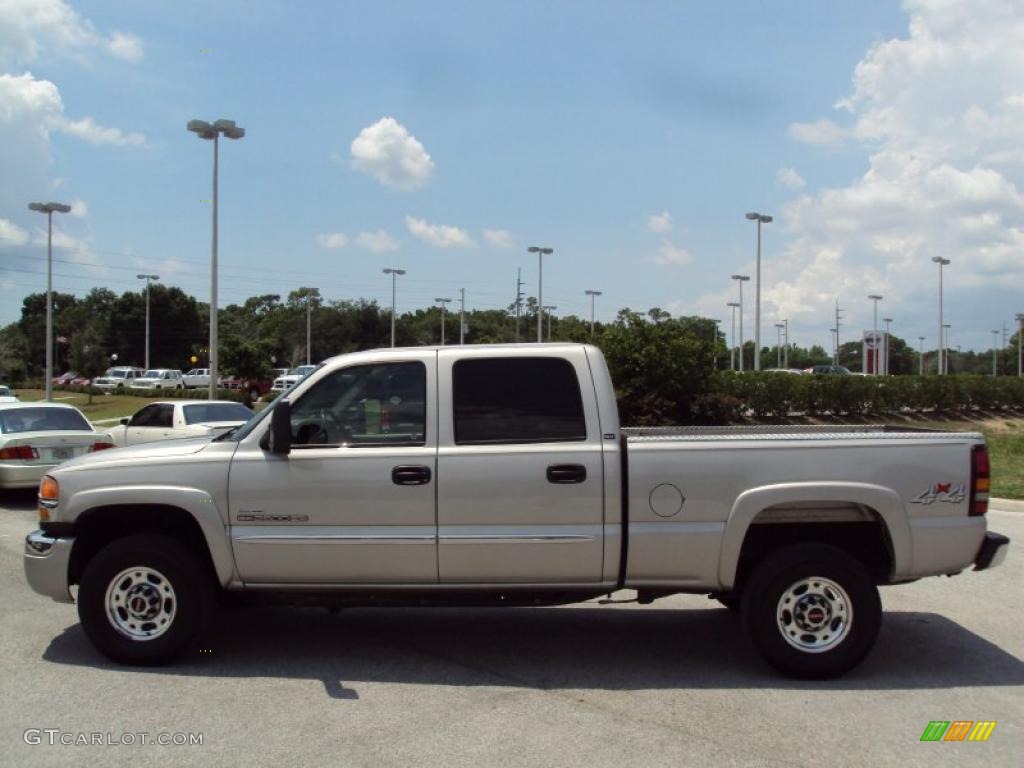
(814, 614)
(141, 603)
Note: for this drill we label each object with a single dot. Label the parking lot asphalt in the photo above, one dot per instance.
(673, 683)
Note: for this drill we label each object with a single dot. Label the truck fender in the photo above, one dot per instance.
(886, 502)
(196, 502)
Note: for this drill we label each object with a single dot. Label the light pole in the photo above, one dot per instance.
(834, 333)
(920, 355)
(885, 347)
(942, 366)
(732, 349)
(147, 278)
(309, 317)
(49, 209)
(760, 218)
(1020, 349)
(874, 335)
(462, 315)
(550, 308)
(785, 350)
(394, 274)
(205, 130)
(540, 286)
(995, 341)
(945, 346)
(741, 279)
(444, 304)
(778, 345)
(592, 295)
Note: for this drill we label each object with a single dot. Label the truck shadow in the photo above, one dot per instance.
(551, 648)
(18, 500)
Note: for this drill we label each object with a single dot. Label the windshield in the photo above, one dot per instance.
(53, 419)
(118, 374)
(154, 374)
(5, 391)
(203, 412)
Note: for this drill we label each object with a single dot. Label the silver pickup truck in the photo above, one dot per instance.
(499, 475)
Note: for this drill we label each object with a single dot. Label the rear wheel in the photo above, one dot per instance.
(812, 611)
(144, 599)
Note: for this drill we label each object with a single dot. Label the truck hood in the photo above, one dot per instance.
(159, 449)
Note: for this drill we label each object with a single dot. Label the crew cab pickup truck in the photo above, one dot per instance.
(499, 475)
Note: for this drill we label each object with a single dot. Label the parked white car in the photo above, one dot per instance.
(7, 394)
(159, 378)
(36, 437)
(197, 377)
(290, 379)
(119, 377)
(179, 418)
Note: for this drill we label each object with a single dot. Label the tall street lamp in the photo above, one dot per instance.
(874, 335)
(49, 209)
(995, 342)
(945, 346)
(778, 344)
(1020, 343)
(444, 303)
(920, 355)
(942, 365)
(549, 309)
(212, 131)
(760, 218)
(732, 349)
(540, 286)
(785, 349)
(462, 315)
(309, 327)
(394, 274)
(592, 295)
(147, 278)
(741, 279)
(885, 346)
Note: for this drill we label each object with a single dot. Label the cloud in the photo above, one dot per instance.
(333, 240)
(499, 238)
(79, 209)
(389, 153)
(439, 235)
(89, 130)
(11, 233)
(790, 179)
(32, 29)
(672, 255)
(77, 250)
(125, 46)
(660, 223)
(942, 175)
(378, 241)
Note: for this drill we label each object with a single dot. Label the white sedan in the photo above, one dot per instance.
(7, 394)
(36, 437)
(180, 418)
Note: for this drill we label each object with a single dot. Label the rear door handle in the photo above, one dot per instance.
(563, 474)
(410, 474)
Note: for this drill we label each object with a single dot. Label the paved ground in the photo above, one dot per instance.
(670, 684)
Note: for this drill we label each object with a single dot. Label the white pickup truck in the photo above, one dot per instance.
(499, 475)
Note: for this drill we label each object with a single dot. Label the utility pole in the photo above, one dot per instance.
(920, 355)
(462, 315)
(519, 299)
(541, 252)
(836, 329)
(874, 336)
(49, 209)
(394, 274)
(549, 310)
(443, 303)
(592, 295)
(785, 350)
(885, 347)
(1020, 347)
(147, 278)
(778, 345)
(995, 340)
(945, 347)
(732, 349)
(741, 279)
(760, 218)
(309, 325)
(942, 366)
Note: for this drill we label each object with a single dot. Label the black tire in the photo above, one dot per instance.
(764, 613)
(731, 600)
(188, 577)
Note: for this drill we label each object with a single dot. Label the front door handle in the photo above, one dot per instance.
(563, 474)
(410, 474)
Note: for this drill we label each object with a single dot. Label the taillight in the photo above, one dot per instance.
(21, 452)
(101, 447)
(980, 481)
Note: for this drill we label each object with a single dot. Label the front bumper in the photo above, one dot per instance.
(992, 552)
(46, 565)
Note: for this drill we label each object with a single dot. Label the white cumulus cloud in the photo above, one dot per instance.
(89, 130)
(672, 255)
(393, 156)
(499, 238)
(125, 46)
(11, 233)
(790, 178)
(79, 208)
(438, 235)
(378, 241)
(332, 240)
(660, 223)
(822, 132)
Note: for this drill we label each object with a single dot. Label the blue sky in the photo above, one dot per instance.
(564, 124)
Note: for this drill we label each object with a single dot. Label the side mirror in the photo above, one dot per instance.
(124, 421)
(281, 429)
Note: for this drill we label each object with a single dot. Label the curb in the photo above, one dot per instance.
(1006, 505)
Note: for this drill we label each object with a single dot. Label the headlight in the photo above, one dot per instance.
(49, 495)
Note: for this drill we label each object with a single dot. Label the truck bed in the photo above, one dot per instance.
(792, 432)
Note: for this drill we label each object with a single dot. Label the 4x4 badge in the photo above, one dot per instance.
(953, 494)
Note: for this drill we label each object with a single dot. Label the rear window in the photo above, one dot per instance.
(14, 420)
(203, 412)
(517, 400)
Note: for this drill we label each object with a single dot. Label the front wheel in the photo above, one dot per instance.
(812, 611)
(144, 599)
